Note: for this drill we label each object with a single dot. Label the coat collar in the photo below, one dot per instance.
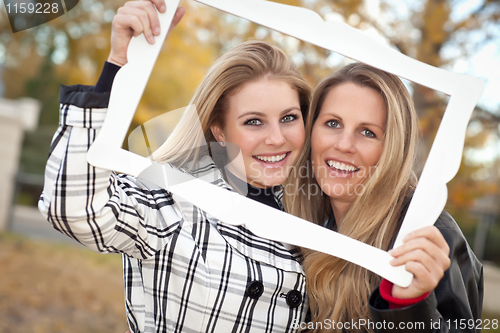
(283, 256)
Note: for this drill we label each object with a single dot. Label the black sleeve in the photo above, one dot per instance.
(455, 304)
(107, 77)
(419, 317)
(91, 96)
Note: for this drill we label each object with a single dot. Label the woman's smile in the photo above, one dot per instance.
(347, 139)
(341, 169)
(272, 160)
(267, 129)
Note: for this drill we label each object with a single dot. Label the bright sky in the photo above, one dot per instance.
(485, 65)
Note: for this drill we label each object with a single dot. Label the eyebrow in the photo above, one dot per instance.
(262, 114)
(371, 124)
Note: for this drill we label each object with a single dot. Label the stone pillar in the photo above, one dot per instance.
(16, 116)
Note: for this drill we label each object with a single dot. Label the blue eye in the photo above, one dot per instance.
(368, 133)
(288, 118)
(333, 124)
(253, 122)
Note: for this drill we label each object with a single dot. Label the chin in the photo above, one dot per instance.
(334, 190)
(338, 191)
(270, 182)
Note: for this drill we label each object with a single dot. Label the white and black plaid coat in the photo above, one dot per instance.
(183, 271)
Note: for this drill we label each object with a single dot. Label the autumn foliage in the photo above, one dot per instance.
(73, 48)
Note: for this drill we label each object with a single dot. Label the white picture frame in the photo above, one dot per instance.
(430, 196)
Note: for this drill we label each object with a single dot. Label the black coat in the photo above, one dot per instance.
(456, 303)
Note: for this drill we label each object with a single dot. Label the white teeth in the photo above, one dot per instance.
(341, 166)
(272, 159)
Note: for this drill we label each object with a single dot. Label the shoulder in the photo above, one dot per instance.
(454, 237)
(461, 254)
(460, 292)
(450, 229)
(446, 221)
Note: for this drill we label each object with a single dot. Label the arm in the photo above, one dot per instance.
(457, 296)
(98, 208)
(107, 77)
(104, 211)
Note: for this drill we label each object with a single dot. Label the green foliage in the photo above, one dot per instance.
(45, 88)
(492, 251)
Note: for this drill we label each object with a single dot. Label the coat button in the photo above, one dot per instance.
(293, 298)
(255, 289)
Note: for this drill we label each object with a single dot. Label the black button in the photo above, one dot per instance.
(293, 298)
(255, 289)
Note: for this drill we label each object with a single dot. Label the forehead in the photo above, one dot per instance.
(260, 82)
(353, 102)
(264, 94)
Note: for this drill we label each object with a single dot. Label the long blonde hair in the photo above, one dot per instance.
(244, 63)
(338, 290)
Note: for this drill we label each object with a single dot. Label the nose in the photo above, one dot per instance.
(345, 142)
(275, 135)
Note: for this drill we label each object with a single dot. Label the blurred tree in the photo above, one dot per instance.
(45, 88)
(438, 32)
(35, 62)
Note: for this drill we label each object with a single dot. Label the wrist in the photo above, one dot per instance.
(117, 61)
(394, 302)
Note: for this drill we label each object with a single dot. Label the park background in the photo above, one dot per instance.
(57, 286)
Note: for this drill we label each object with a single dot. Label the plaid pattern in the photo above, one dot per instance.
(183, 270)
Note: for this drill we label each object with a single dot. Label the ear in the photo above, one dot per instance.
(217, 132)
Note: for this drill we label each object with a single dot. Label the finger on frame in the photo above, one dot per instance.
(160, 4)
(147, 13)
(430, 232)
(430, 255)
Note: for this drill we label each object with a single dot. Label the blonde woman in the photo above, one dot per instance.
(183, 270)
(362, 132)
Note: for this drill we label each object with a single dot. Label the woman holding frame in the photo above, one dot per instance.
(185, 271)
(361, 138)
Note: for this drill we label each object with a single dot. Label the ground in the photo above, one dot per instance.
(51, 287)
(48, 287)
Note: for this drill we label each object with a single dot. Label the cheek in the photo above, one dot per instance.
(316, 145)
(373, 154)
(245, 140)
(297, 136)
(248, 148)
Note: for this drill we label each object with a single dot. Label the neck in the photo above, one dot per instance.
(236, 177)
(340, 209)
(242, 186)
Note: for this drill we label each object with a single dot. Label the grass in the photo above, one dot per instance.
(47, 287)
(57, 288)
(491, 319)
